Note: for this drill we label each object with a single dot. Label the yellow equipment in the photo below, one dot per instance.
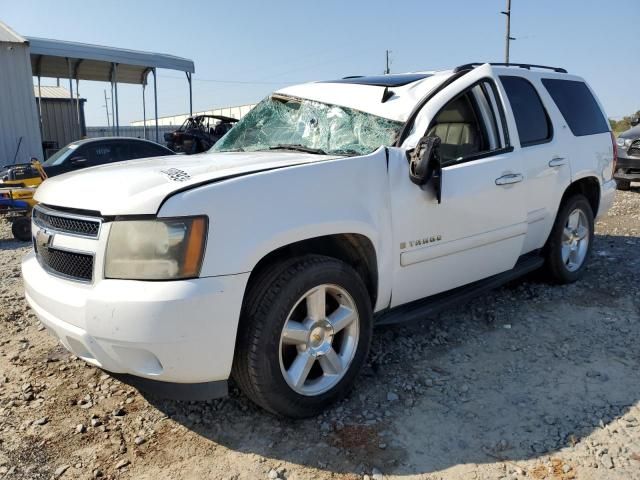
(23, 175)
(17, 202)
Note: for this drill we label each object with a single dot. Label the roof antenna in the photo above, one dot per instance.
(387, 94)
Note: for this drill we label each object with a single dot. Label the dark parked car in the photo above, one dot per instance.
(199, 133)
(86, 153)
(628, 167)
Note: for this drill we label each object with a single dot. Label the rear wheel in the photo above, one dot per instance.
(304, 335)
(21, 229)
(570, 241)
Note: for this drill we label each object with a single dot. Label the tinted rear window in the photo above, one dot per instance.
(531, 118)
(577, 105)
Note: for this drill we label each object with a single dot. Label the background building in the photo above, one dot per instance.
(25, 122)
(59, 115)
(19, 124)
(237, 111)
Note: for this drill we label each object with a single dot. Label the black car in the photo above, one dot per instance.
(87, 153)
(628, 166)
(98, 151)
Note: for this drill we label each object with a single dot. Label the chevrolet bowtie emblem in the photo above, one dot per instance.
(43, 239)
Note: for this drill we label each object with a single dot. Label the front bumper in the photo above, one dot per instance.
(175, 331)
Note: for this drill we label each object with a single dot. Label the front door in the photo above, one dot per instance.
(478, 228)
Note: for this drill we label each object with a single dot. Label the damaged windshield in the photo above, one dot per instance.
(285, 123)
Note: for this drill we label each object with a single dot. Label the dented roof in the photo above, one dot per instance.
(366, 94)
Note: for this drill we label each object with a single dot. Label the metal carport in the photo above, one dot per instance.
(80, 61)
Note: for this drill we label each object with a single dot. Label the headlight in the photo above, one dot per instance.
(160, 249)
(624, 142)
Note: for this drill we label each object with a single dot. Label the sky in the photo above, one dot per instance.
(243, 50)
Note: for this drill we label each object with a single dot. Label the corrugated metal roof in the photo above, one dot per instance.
(53, 92)
(94, 62)
(9, 36)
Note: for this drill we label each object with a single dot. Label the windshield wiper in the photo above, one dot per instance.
(298, 148)
(348, 152)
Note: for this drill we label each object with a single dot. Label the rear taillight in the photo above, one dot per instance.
(615, 153)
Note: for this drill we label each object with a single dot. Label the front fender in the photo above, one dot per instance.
(253, 215)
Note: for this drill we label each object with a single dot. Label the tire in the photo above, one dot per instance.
(21, 229)
(264, 360)
(623, 184)
(560, 268)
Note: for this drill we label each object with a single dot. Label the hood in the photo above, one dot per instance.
(633, 132)
(138, 187)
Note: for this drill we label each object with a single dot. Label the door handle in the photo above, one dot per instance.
(557, 162)
(509, 179)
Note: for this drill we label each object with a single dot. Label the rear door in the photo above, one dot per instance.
(478, 228)
(545, 149)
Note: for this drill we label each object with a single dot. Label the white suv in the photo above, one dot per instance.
(331, 207)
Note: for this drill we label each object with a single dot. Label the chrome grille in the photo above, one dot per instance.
(62, 222)
(634, 149)
(76, 266)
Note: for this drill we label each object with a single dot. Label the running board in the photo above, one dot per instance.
(420, 309)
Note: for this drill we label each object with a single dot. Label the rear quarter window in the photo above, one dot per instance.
(577, 105)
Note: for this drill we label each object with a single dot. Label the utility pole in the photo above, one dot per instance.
(508, 36)
(106, 106)
(387, 70)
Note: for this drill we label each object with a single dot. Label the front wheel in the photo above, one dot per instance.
(304, 335)
(570, 241)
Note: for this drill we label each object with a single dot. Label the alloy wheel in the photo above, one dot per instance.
(319, 340)
(575, 240)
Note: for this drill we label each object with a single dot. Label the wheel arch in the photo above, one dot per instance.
(589, 186)
(355, 249)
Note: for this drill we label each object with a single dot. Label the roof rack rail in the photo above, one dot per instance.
(528, 66)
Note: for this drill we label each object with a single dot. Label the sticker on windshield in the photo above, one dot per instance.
(176, 174)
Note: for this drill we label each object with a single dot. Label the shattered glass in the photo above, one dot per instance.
(280, 121)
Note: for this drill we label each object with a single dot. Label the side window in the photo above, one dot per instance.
(137, 150)
(145, 150)
(532, 121)
(577, 105)
(97, 153)
(121, 151)
(469, 125)
(82, 151)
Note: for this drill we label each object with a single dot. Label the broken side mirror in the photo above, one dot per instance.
(425, 164)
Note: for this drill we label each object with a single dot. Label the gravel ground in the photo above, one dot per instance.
(530, 381)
